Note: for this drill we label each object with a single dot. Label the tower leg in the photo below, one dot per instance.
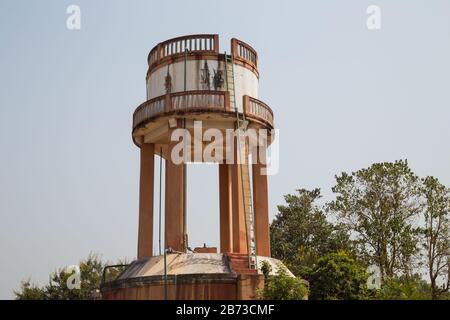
(145, 237)
(238, 211)
(226, 241)
(261, 209)
(174, 231)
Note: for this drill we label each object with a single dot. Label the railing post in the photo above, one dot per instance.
(246, 104)
(226, 100)
(159, 56)
(216, 43)
(167, 103)
(234, 47)
(185, 101)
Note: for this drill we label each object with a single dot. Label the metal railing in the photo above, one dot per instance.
(116, 266)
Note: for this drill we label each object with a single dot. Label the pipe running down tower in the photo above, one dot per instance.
(197, 95)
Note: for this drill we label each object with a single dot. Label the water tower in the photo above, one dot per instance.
(197, 95)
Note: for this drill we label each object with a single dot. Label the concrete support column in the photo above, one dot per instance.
(145, 236)
(226, 240)
(261, 208)
(238, 213)
(174, 229)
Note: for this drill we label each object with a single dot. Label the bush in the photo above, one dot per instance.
(283, 287)
(404, 288)
(91, 271)
(338, 276)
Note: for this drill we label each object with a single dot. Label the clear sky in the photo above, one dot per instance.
(343, 96)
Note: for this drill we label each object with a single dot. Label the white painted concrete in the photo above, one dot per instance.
(246, 82)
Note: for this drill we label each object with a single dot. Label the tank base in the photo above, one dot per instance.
(196, 276)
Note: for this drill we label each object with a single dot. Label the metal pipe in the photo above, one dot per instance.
(165, 274)
(185, 244)
(160, 198)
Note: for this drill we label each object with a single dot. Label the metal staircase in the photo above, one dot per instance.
(244, 165)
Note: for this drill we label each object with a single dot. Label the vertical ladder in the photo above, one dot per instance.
(229, 74)
(248, 205)
(244, 166)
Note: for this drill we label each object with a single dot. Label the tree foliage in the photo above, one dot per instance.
(436, 234)
(383, 216)
(300, 232)
(337, 276)
(378, 205)
(284, 287)
(91, 271)
(404, 288)
(30, 291)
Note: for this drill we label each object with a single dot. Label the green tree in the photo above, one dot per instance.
(300, 232)
(91, 272)
(436, 234)
(378, 205)
(29, 291)
(284, 287)
(337, 276)
(404, 288)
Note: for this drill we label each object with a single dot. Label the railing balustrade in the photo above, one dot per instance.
(199, 101)
(255, 108)
(242, 51)
(206, 43)
(192, 101)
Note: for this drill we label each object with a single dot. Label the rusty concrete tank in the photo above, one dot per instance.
(189, 81)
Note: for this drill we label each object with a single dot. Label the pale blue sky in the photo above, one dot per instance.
(343, 96)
